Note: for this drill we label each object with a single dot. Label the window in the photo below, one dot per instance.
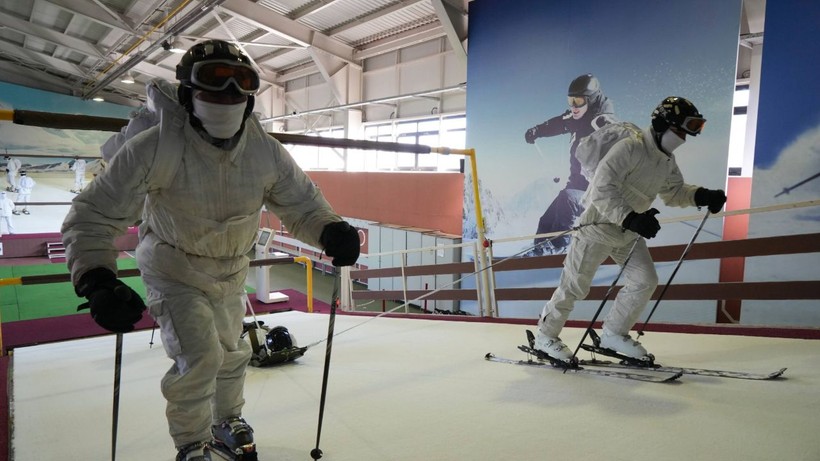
(442, 131)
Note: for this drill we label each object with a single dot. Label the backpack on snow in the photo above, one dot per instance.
(592, 148)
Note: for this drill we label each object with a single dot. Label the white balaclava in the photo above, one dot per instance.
(671, 141)
(221, 121)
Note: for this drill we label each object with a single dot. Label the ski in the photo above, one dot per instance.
(580, 370)
(671, 369)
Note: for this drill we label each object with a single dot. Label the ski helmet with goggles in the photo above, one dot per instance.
(582, 90)
(216, 66)
(679, 113)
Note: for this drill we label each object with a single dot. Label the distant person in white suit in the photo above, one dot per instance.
(26, 185)
(6, 210)
(12, 168)
(79, 175)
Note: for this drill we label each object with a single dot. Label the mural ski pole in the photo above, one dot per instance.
(786, 190)
(675, 271)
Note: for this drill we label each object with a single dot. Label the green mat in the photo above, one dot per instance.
(18, 302)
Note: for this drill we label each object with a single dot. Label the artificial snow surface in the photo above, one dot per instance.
(405, 389)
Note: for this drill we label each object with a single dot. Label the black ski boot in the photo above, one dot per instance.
(235, 436)
(197, 451)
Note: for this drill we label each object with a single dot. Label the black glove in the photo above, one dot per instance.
(712, 199)
(114, 305)
(530, 135)
(644, 224)
(341, 242)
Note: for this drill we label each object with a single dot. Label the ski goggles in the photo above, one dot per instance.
(218, 75)
(576, 101)
(693, 125)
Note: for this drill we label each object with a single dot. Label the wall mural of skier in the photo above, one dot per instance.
(578, 67)
(787, 157)
(589, 110)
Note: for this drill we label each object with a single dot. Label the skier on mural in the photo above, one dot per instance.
(627, 180)
(194, 239)
(588, 111)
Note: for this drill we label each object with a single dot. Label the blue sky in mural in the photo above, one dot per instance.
(641, 51)
(19, 97)
(787, 146)
(789, 99)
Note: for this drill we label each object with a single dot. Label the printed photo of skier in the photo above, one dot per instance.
(620, 58)
(589, 110)
(786, 159)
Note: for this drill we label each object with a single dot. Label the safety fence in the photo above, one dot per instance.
(720, 292)
(61, 278)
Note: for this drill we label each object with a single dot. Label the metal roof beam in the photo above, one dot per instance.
(276, 24)
(454, 23)
(49, 35)
(97, 12)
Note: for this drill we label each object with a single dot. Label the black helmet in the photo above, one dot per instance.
(677, 112)
(279, 339)
(585, 85)
(271, 346)
(217, 66)
(585, 89)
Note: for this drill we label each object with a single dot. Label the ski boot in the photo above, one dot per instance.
(197, 451)
(234, 437)
(15, 212)
(556, 351)
(622, 347)
(26, 212)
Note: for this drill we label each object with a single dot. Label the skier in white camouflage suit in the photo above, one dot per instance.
(194, 237)
(629, 177)
(589, 110)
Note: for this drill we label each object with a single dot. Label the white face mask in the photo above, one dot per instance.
(671, 141)
(221, 121)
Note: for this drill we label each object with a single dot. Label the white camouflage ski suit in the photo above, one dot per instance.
(79, 174)
(629, 178)
(161, 95)
(6, 209)
(13, 167)
(192, 253)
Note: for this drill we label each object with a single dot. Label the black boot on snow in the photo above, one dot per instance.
(197, 451)
(235, 436)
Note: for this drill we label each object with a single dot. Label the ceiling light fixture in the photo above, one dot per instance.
(128, 78)
(98, 99)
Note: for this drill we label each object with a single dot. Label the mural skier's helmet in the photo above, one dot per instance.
(584, 89)
(216, 66)
(679, 113)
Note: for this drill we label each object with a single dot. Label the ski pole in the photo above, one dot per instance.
(675, 271)
(606, 298)
(116, 405)
(316, 453)
(255, 321)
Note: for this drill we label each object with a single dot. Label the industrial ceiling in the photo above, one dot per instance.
(86, 48)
